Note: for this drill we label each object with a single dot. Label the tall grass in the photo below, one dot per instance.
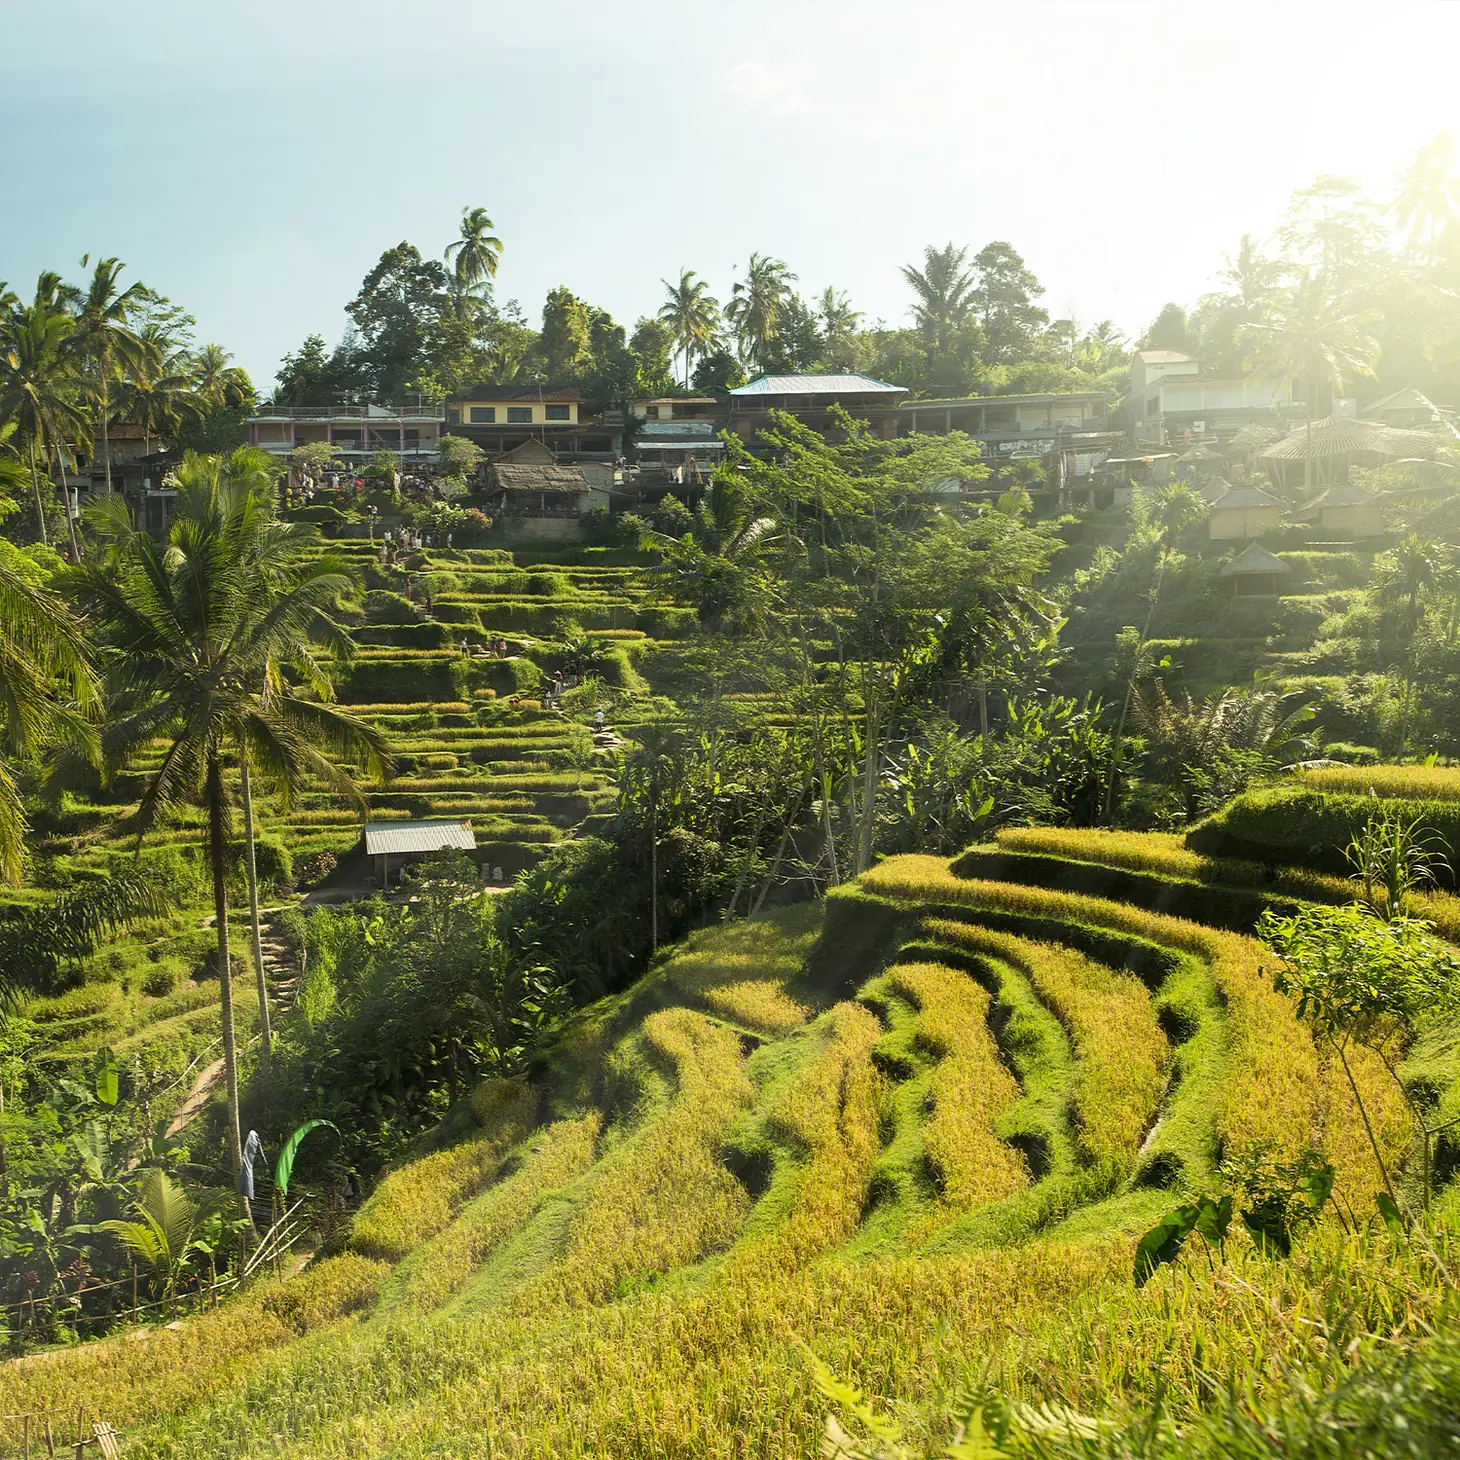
(1405, 782)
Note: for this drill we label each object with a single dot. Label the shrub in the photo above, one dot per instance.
(406, 636)
(384, 607)
(313, 868)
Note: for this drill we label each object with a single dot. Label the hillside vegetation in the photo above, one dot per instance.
(914, 1130)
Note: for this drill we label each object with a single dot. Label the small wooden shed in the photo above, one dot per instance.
(1256, 573)
(1242, 514)
(395, 843)
(1346, 510)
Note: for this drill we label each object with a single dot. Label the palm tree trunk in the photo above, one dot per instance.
(106, 445)
(266, 1034)
(66, 508)
(654, 861)
(216, 852)
(40, 506)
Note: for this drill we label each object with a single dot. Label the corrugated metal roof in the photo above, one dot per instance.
(391, 838)
(816, 385)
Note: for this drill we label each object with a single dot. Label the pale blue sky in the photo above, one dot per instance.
(253, 159)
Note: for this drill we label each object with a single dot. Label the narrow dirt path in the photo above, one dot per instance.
(197, 1097)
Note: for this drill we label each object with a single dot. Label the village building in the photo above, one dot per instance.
(812, 399)
(1200, 463)
(1345, 510)
(676, 440)
(530, 492)
(413, 433)
(1404, 410)
(1322, 452)
(1243, 513)
(501, 417)
(1171, 400)
(1256, 573)
(394, 845)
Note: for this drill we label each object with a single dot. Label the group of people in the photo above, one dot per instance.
(494, 648)
(396, 545)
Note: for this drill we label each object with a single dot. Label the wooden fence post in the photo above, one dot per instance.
(80, 1434)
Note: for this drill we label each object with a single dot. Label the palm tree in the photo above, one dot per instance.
(1252, 276)
(756, 305)
(217, 384)
(1316, 341)
(1428, 191)
(839, 324)
(40, 386)
(1405, 572)
(46, 687)
(944, 288)
(693, 314)
(476, 250)
(159, 394)
(105, 337)
(196, 655)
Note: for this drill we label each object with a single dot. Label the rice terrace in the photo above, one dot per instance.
(865, 866)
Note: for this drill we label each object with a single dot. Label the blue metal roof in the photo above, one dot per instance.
(817, 385)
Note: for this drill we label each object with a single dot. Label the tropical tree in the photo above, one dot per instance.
(1429, 191)
(105, 337)
(693, 315)
(218, 384)
(46, 689)
(1250, 275)
(158, 394)
(168, 1231)
(40, 387)
(1315, 340)
(839, 323)
(198, 656)
(477, 250)
(1403, 573)
(757, 306)
(944, 289)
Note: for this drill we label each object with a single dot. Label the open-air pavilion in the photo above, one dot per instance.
(395, 843)
(1321, 453)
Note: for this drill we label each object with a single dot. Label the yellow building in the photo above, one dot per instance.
(1242, 514)
(501, 417)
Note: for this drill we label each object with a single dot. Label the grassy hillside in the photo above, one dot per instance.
(914, 1130)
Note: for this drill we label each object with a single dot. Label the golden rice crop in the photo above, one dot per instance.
(1415, 782)
(740, 971)
(417, 1201)
(660, 1199)
(445, 1264)
(1121, 1055)
(134, 1377)
(970, 1090)
(1271, 1088)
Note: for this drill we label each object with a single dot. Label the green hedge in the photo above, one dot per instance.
(406, 636)
(1290, 826)
(408, 681)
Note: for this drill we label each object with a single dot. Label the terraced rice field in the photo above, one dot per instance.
(525, 776)
(914, 1129)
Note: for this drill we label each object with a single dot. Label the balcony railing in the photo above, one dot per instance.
(364, 413)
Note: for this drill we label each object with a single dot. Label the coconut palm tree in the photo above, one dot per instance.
(1250, 274)
(757, 303)
(46, 688)
(944, 288)
(1405, 572)
(693, 314)
(105, 337)
(1429, 191)
(41, 387)
(158, 395)
(217, 384)
(196, 655)
(476, 250)
(1316, 341)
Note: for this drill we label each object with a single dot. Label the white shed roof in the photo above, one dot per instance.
(392, 838)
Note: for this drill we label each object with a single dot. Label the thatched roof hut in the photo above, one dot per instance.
(1323, 451)
(1256, 573)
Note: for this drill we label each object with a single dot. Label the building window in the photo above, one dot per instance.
(484, 415)
(519, 415)
(558, 413)
(652, 412)
(453, 416)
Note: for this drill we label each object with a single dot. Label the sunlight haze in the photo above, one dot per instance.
(1122, 148)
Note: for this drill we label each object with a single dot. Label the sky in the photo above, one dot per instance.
(252, 160)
